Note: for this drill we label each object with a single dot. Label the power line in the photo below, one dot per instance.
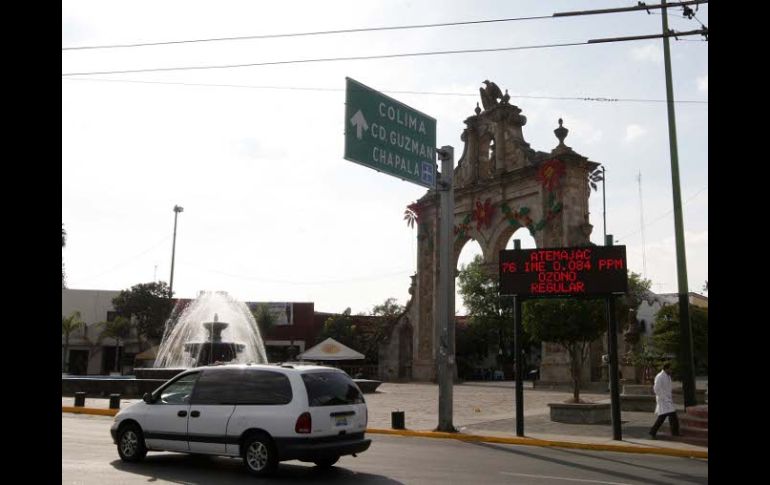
(129, 259)
(303, 34)
(309, 283)
(383, 56)
(384, 28)
(663, 216)
(640, 6)
(324, 59)
(386, 91)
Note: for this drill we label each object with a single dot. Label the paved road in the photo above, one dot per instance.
(89, 457)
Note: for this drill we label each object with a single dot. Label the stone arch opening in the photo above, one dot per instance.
(467, 252)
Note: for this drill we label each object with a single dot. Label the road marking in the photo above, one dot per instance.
(563, 478)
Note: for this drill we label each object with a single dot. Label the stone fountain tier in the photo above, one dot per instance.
(213, 349)
(210, 352)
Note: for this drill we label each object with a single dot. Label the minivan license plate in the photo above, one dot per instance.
(340, 420)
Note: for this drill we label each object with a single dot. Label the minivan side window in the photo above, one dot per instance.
(331, 389)
(242, 387)
(179, 391)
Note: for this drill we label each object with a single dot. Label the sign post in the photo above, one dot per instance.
(590, 271)
(445, 355)
(389, 136)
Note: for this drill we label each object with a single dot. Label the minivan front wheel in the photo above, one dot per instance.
(259, 455)
(131, 443)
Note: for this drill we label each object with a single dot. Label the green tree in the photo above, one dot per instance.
(117, 329)
(648, 360)
(265, 320)
(571, 323)
(490, 319)
(666, 336)
(389, 308)
(68, 325)
(359, 332)
(150, 304)
(638, 290)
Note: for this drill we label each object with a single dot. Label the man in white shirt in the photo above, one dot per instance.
(664, 402)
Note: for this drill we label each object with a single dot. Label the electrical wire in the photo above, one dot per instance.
(303, 34)
(309, 283)
(382, 56)
(663, 216)
(386, 91)
(127, 260)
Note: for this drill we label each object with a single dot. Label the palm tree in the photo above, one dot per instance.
(68, 325)
(119, 328)
(265, 320)
(63, 243)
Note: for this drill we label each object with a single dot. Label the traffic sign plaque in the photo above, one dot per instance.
(389, 136)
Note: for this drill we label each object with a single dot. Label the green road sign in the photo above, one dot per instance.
(389, 136)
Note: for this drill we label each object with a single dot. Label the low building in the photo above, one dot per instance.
(650, 306)
(295, 328)
(88, 352)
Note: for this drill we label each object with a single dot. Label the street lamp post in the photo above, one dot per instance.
(177, 210)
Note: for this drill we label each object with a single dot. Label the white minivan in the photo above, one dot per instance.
(264, 413)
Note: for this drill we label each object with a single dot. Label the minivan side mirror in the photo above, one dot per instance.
(148, 398)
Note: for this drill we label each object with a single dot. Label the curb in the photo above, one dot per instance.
(98, 411)
(479, 438)
(538, 442)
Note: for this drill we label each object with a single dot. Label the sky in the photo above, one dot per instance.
(254, 155)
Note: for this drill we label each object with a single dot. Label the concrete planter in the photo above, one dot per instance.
(580, 413)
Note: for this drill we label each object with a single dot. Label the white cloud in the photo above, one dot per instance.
(648, 52)
(633, 132)
(703, 84)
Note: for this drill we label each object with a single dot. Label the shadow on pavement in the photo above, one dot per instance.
(576, 464)
(204, 469)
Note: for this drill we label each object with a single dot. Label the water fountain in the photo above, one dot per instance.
(190, 340)
(210, 329)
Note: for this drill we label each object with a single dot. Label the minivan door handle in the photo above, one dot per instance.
(182, 414)
(195, 414)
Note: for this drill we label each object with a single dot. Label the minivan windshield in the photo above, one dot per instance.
(331, 389)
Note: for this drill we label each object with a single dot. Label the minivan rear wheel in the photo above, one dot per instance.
(259, 455)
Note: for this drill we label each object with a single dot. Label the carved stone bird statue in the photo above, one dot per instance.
(490, 95)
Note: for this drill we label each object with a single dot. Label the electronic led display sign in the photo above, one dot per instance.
(558, 272)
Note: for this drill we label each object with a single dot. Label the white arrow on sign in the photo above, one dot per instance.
(360, 123)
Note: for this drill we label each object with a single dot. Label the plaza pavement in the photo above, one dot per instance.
(485, 411)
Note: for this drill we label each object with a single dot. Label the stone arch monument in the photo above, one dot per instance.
(501, 185)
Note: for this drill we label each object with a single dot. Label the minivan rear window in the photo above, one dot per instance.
(331, 389)
(243, 387)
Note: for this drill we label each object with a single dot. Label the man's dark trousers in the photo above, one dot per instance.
(673, 421)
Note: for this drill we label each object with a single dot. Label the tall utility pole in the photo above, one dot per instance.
(604, 201)
(177, 210)
(445, 314)
(688, 370)
(641, 227)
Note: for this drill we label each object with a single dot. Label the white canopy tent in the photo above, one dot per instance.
(330, 349)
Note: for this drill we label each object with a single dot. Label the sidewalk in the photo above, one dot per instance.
(487, 409)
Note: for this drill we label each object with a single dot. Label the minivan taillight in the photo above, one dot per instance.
(304, 423)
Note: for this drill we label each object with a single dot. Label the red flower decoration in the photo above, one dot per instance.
(550, 173)
(483, 214)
